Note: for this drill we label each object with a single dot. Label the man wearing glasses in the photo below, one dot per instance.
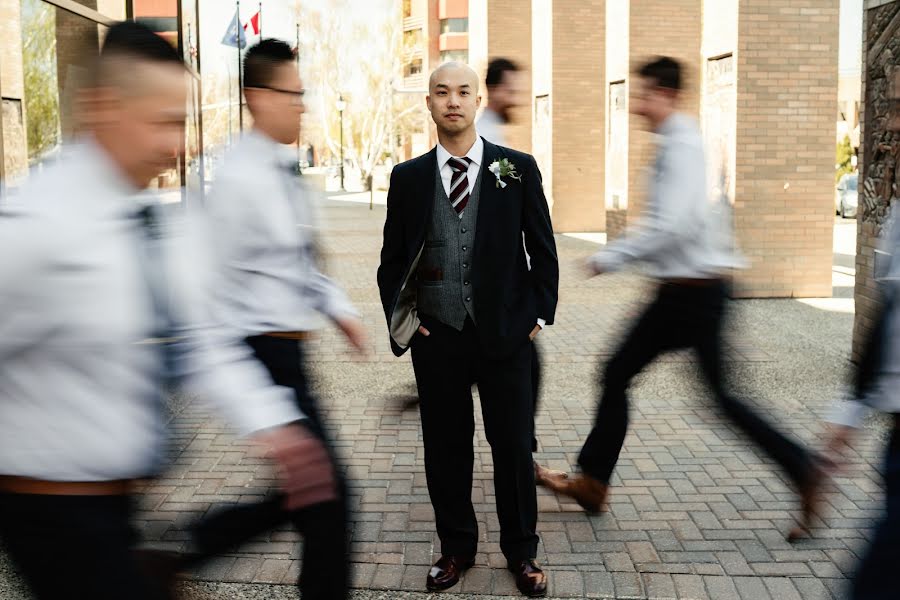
(267, 285)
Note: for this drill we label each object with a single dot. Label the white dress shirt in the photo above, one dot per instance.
(80, 376)
(491, 127)
(262, 221)
(683, 233)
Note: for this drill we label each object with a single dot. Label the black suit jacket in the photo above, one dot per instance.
(508, 297)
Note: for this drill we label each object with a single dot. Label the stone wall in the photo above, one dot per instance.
(879, 153)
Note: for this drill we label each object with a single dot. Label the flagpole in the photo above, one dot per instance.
(259, 22)
(240, 70)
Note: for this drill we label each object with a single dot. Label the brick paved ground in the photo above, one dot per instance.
(695, 511)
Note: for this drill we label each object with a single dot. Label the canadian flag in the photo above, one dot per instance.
(253, 24)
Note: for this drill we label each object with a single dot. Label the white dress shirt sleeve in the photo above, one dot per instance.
(214, 360)
(679, 185)
(328, 298)
(847, 412)
(25, 251)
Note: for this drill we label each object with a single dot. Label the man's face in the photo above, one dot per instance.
(508, 94)
(648, 100)
(279, 107)
(453, 99)
(141, 119)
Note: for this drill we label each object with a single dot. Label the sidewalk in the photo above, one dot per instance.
(695, 512)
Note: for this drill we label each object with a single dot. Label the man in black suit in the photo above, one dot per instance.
(456, 289)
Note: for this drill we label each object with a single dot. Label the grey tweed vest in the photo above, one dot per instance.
(444, 281)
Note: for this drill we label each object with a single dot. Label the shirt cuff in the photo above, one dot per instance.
(542, 322)
(848, 413)
(606, 261)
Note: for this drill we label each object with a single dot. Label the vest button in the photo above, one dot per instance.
(465, 265)
(463, 230)
(465, 283)
(468, 298)
(464, 248)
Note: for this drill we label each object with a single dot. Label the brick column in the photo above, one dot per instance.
(509, 36)
(578, 100)
(671, 28)
(784, 185)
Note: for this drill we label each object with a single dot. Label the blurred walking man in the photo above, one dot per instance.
(92, 288)
(504, 85)
(681, 238)
(268, 286)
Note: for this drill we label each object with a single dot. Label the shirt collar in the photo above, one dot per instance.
(475, 153)
(264, 147)
(672, 124)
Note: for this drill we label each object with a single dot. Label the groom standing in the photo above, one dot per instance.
(456, 289)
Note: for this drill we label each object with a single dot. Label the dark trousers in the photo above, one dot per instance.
(536, 367)
(325, 570)
(75, 547)
(877, 577)
(682, 316)
(447, 363)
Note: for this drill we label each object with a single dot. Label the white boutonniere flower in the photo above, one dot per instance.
(503, 168)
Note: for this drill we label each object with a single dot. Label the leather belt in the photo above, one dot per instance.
(690, 282)
(290, 335)
(26, 485)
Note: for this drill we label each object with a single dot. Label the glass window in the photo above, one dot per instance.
(412, 39)
(414, 67)
(407, 8)
(455, 55)
(455, 25)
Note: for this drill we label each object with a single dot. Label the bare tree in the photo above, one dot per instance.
(331, 62)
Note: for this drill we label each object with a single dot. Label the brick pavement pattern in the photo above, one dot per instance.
(695, 511)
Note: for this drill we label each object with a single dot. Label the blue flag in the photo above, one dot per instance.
(234, 36)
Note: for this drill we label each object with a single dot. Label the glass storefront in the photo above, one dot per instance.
(46, 64)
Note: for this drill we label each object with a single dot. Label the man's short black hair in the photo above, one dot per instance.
(260, 60)
(135, 41)
(667, 72)
(497, 69)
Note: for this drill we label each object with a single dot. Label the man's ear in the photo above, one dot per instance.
(96, 107)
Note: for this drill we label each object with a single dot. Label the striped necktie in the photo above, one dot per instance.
(459, 183)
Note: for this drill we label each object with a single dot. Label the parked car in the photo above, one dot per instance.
(846, 195)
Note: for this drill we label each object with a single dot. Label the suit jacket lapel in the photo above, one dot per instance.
(488, 194)
(423, 197)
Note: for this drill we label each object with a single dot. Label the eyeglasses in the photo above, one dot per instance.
(296, 96)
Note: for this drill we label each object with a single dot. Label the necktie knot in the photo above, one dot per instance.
(459, 165)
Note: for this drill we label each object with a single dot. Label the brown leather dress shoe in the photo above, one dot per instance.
(445, 572)
(810, 502)
(542, 475)
(586, 491)
(530, 579)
